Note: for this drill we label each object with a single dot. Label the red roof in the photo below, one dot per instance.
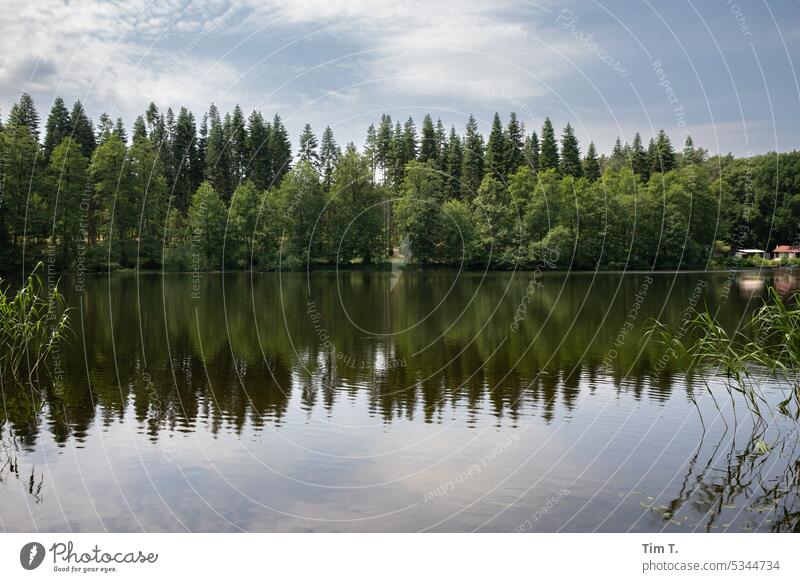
(786, 249)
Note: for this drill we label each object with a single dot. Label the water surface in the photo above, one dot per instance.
(357, 401)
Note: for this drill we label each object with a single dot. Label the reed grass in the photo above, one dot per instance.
(769, 343)
(33, 320)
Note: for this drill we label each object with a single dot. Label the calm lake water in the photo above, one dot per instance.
(357, 401)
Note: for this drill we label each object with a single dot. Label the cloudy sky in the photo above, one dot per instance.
(721, 71)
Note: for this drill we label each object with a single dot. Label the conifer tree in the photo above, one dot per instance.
(591, 165)
(81, 130)
(639, 161)
(496, 149)
(453, 162)
(23, 112)
(514, 155)
(548, 156)
(308, 147)
(57, 128)
(258, 143)
(329, 157)
(409, 144)
(570, 154)
(472, 168)
(532, 152)
(428, 148)
(280, 149)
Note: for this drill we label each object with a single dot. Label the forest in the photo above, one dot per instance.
(234, 194)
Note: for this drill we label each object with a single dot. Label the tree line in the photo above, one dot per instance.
(232, 194)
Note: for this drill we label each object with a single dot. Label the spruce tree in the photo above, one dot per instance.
(591, 165)
(238, 146)
(472, 167)
(409, 145)
(441, 142)
(532, 152)
(371, 149)
(570, 154)
(453, 161)
(280, 148)
(514, 155)
(384, 145)
(58, 126)
(139, 128)
(329, 157)
(260, 163)
(187, 176)
(548, 156)
(428, 148)
(23, 112)
(81, 130)
(496, 149)
(665, 152)
(639, 159)
(119, 130)
(308, 147)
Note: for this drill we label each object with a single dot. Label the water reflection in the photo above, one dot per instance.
(331, 357)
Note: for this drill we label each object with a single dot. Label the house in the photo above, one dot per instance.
(742, 253)
(786, 252)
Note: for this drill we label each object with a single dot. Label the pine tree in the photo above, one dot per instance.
(472, 168)
(496, 149)
(570, 154)
(532, 152)
(514, 140)
(591, 165)
(308, 147)
(548, 156)
(58, 126)
(280, 149)
(81, 130)
(329, 157)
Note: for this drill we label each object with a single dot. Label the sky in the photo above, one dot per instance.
(721, 71)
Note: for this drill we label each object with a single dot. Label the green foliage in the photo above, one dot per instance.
(95, 201)
(206, 220)
(32, 323)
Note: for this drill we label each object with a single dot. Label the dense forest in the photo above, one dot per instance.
(232, 194)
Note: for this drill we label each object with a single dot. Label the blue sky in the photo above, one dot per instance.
(722, 71)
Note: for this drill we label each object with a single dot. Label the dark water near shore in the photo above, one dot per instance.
(370, 402)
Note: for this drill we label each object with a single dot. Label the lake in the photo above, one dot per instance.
(379, 401)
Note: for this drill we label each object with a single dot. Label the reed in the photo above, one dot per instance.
(769, 343)
(33, 320)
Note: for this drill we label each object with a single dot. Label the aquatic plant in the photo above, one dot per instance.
(769, 343)
(33, 320)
